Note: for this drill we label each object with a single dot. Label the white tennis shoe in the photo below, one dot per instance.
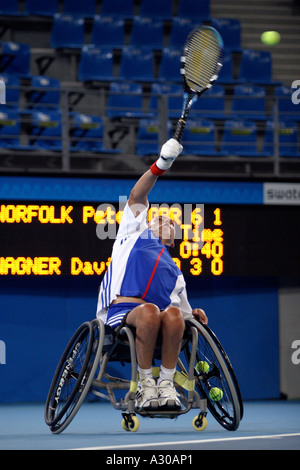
(147, 395)
(168, 396)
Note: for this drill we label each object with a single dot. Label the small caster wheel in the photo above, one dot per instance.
(199, 423)
(130, 423)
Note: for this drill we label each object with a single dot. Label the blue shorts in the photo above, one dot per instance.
(117, 312)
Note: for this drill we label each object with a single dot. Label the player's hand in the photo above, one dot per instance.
(200, 315)
(169, 152)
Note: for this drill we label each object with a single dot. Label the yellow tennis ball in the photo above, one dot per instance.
(215, 394)
(270, 38)
(202, 366)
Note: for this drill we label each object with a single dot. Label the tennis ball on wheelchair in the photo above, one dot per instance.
(215, 394)
(202, 366)
(270, 38)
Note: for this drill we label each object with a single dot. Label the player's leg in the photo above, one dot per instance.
(146, 319)
(172, 328)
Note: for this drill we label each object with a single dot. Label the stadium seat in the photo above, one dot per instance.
(230, 30)
(125, 100)
(108, 31)
(169, 69)
(12, 84)
(96, 64)
(199, 138)
(288, 139)
(287, 110)
(256, 67)
(194, 9)
(180, 29)
(10, 8)
(86, 8)
(46, 130)
(67, 32)
(226, 73)
(240, 138)
(147, 32)
(137, 64)
(148, 137)
(156, 8)
(174, 99)
(249, 102)
(87, 133)
(10, 128)
(15, 59)
(121, 8)
(210, 104)
(44, 92)
(44, 8)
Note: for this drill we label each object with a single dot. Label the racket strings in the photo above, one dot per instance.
(202, 55)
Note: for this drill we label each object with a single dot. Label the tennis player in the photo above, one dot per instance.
(144, 288)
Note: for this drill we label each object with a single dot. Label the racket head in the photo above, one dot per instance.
(202, 58)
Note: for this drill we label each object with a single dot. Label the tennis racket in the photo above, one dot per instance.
(201, 62)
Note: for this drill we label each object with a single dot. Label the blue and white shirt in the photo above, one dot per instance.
(141, 266)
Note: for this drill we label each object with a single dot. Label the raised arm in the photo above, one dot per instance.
(139, 193)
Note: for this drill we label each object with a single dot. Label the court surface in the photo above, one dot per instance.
(267, 425)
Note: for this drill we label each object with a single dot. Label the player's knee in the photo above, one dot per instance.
(150, 314)
(172, 319)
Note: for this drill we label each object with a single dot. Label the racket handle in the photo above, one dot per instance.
(179, 129)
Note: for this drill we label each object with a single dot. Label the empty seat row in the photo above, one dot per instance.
(126, 99)
(238, 138)
(125, 8)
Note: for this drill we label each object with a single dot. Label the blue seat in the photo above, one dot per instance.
(125, 100)
(12, 84)
(137, 64)
(180, 29)
(44, 8)
(96, 64)
(226, 73)
(10, 128)
(174, 99)
(46, 130)
(169, 69)
(15, 59)
(10, 8)
(156, 8)
(148, 137)
(240, 138)
(210, 104)
(249, 102)
(256, 67)
(147, 32)
(288, 139)
(194, 9)
(44, 92)
(121, 8)
(287, 110)
(67, 32)
(108, 31)
(85, 9)
(230, 30)
(87, 134)
(199, 138)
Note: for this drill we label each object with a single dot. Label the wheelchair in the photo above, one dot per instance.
(204, 377)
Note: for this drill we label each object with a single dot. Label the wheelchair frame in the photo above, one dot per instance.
(94, 346)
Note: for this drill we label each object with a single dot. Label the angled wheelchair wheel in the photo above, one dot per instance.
(215, 379)
(74, 375)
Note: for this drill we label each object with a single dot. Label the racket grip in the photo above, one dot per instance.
(179, 129)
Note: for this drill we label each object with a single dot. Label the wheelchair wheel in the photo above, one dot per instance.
(73, 375)
(215, 379)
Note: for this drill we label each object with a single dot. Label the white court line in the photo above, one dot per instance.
(199, 441)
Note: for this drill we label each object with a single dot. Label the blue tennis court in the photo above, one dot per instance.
(267, 425)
